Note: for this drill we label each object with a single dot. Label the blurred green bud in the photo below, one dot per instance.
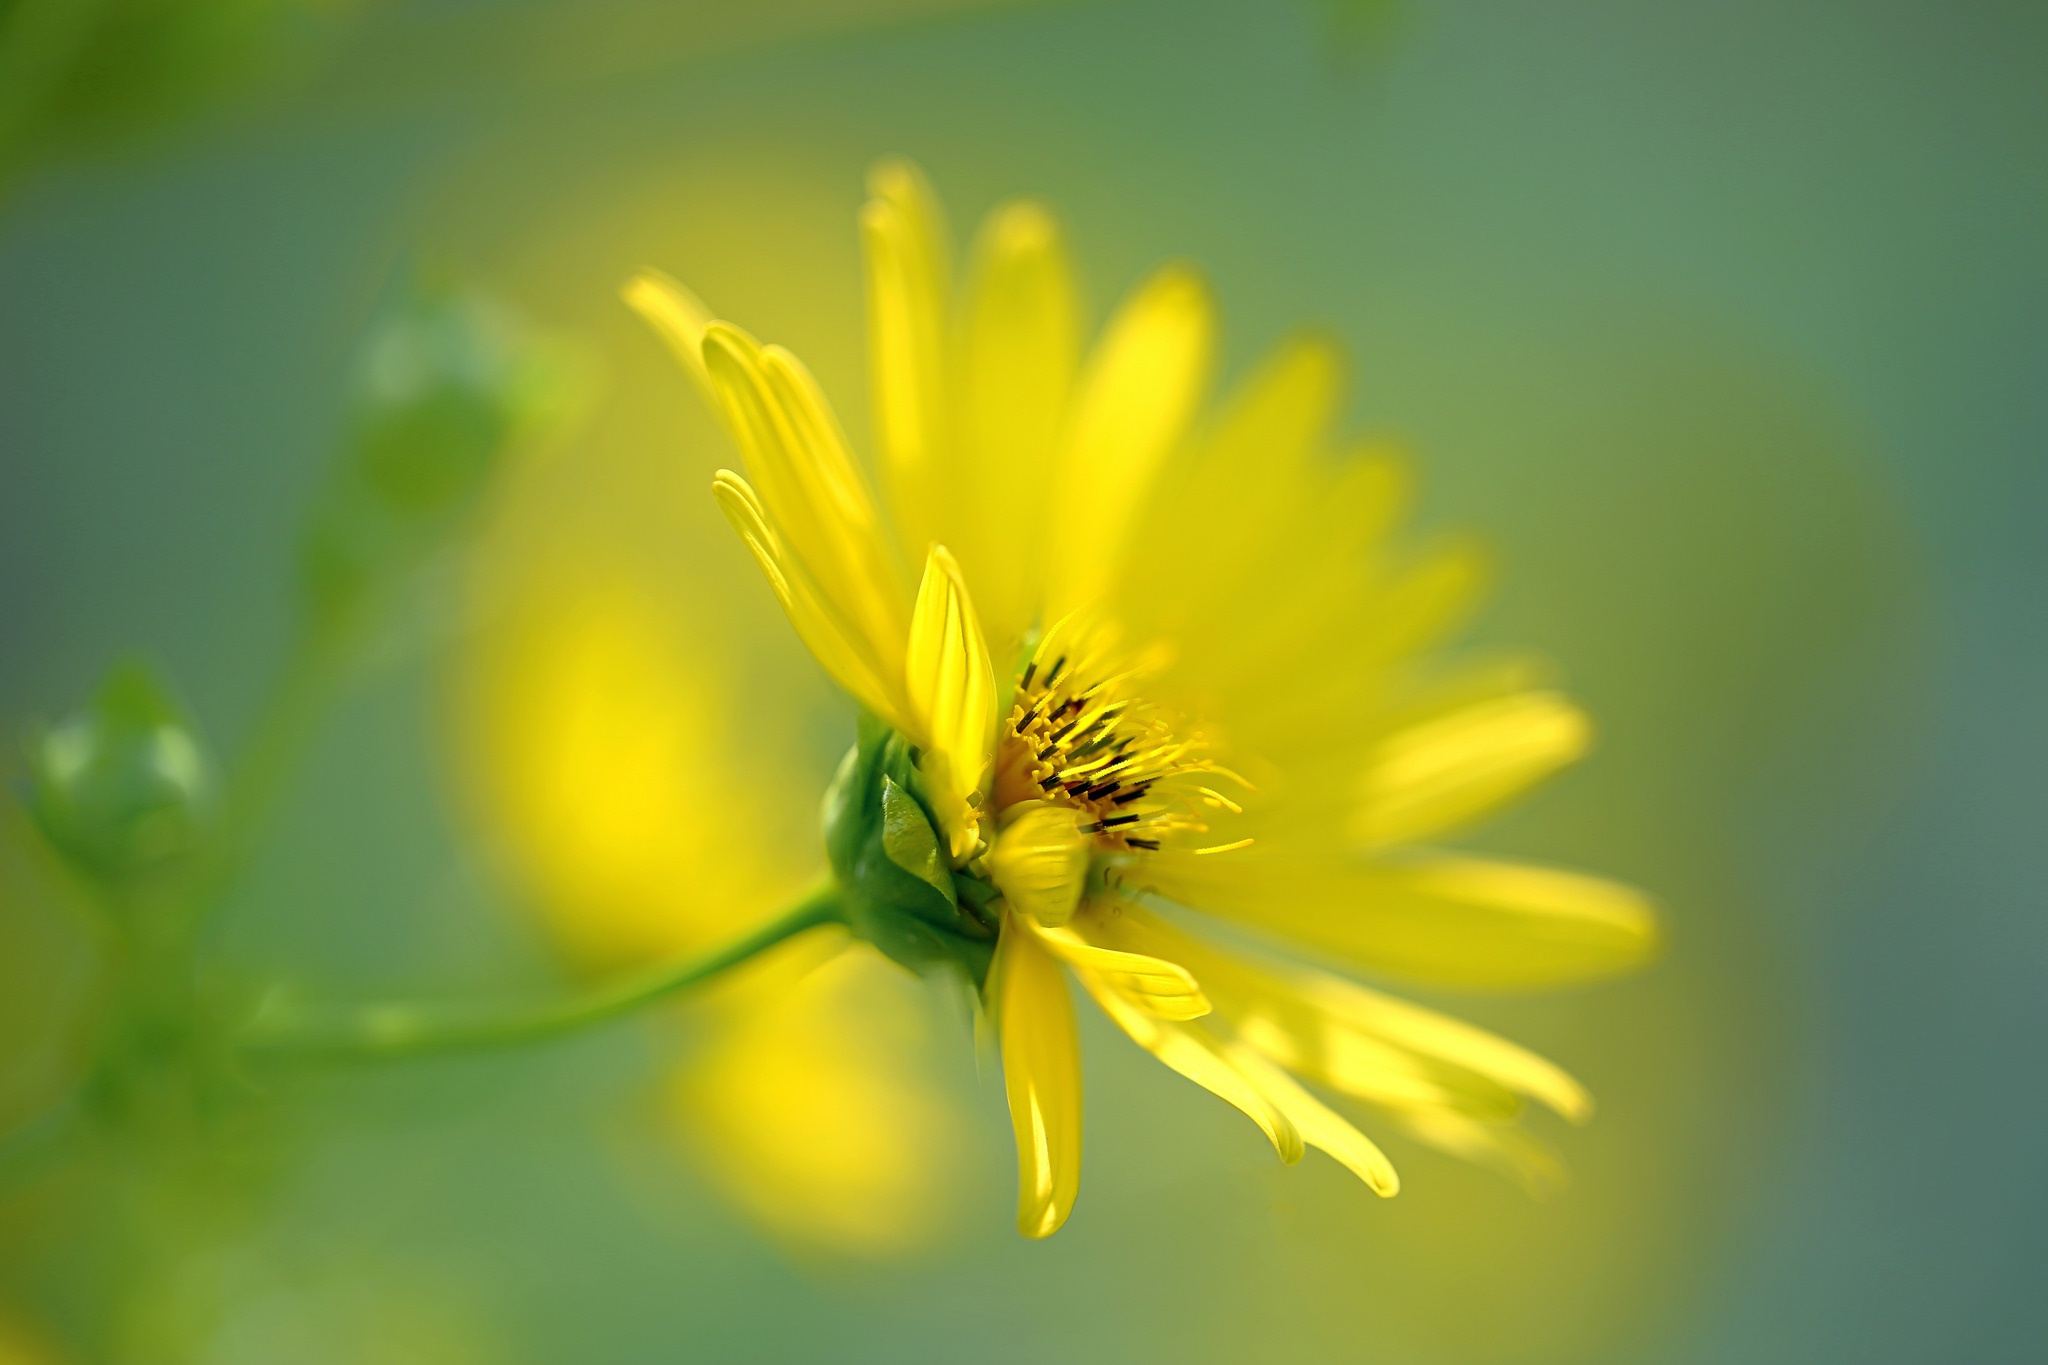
(884, 847)
(122, 786)
(438, 395)
(447, 382)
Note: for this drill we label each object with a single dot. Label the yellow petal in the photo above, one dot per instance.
(813, 494)
(1018, 361)
(831, 641)
(678, 315)
(1507, 1149)
(1040, 862)
(1142, 385)
(1161, 988)
(1321, 1127)
(1449, 1040)
(1042, 1077)
(952, 690)
(903, 231)
(1441, 774)
(1197, 1056)
(1361, 1041)
(1365, 1068)
(1459, 921)
(1280, 415)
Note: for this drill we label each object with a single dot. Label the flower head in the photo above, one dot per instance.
(1124, 671)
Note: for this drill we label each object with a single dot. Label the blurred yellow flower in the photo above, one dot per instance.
(595, 717)
(1267, 747)
(808, 1108)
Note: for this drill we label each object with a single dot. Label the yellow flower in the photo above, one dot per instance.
(1152, 665)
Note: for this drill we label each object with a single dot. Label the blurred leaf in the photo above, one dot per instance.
(429, 49)
(83, 72)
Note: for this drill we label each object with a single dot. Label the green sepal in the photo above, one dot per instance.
(885, 852)
(977, 897)
(910, 841)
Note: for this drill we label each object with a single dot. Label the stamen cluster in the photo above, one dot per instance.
(1074, 735)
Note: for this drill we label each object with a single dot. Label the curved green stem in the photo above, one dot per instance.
(395, 1030)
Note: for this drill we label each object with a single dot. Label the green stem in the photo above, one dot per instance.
(396, 1030)
(283, 729)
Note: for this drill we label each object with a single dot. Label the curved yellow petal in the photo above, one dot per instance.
(1460, 921)
(903, 235)
(1142, 385)
(1198, 1057)
(1042, 1078)
(1507, 1149)
(952, 692)
(1445, 772)
(1018, 356)
(1321, 1127)
(1040, 862)
(830, 640)
(1161, 988)
(813, 494)
(1430, 1034)
(677, 315)
(1360, 1041)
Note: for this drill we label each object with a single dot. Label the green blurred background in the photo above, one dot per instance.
(1728, 326)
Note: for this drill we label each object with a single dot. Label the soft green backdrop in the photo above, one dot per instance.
(1727, 326)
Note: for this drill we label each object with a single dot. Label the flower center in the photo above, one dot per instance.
(1075, 735)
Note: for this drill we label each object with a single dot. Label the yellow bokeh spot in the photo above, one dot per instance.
(605, 770)
(811, 1106)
